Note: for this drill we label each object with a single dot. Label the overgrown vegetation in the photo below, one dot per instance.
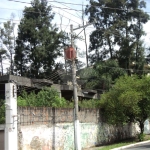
(49, 97)
(46, 97)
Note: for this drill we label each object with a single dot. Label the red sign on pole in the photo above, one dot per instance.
(70, 53)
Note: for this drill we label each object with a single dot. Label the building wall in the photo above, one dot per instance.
(53, 129)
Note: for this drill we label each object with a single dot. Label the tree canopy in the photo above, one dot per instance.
(38, 43)
(102, 75)
(118, 31)
(127, 101)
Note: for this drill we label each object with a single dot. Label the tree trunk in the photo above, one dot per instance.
(141, 126)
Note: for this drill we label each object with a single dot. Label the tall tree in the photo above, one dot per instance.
(8, 42)
(118, 30)
(38, 43)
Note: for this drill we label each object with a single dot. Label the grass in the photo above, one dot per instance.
(128, 142)
(116, 145)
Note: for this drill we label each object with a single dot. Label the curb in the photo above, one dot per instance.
(127, 146)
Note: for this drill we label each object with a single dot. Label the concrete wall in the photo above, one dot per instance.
(53, 129)
(61, 136)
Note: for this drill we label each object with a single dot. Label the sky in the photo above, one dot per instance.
(63, 17)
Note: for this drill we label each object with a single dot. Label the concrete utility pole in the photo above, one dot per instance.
(77, 140)
(11, 141)
(76, 121)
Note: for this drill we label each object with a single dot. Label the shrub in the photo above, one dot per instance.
(141, 136)
(46, 97)
(92, 103)
(49, 97)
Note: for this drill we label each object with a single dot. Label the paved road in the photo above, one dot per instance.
(1, 140)
(140, 147)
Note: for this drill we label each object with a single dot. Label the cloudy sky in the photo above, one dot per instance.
(72, 14)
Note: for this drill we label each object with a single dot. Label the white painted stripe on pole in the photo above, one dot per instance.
(11, 141)
(78, 131)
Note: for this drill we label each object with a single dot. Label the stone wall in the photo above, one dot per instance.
(57, 133)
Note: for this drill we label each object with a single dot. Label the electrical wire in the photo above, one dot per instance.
(70, 7)
(66, 12)
(114, 8)
(53, 6)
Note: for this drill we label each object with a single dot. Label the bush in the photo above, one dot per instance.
(92, 103)
(59, 102)
(46, 97)
(49, 97)
(21, 101)
(141, 136)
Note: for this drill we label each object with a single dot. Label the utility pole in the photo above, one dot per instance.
(11, 141)
(77, 142)
(76, 121)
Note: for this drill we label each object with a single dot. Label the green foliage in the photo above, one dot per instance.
(59, 102)
(46, 97)
(127, 101)
(116, 27)
(92, 103)
(2, 112)
(102, 75)
(38, 43)
(141, 137)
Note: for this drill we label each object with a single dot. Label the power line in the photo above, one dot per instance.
(53, 6)
(36, 23)
(66, 11)
(67, 7)
(67, 17)
(19, 1)
(39, 12)
(75, 4)
(114, 8)
(66, 3)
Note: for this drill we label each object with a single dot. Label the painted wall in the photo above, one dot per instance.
(61, 136)
(53, 129)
